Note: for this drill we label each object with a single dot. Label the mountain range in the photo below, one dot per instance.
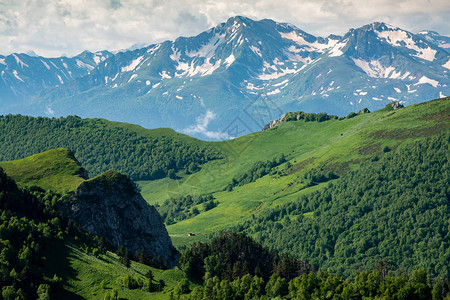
(234, 78)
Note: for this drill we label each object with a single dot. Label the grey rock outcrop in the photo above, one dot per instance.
(299, 115)
(395, 105)
(271, 124)
(110, 206)
(364, 111)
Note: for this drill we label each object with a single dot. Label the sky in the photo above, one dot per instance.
(54, 28)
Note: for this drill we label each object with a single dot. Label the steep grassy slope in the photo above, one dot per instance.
(83, 274)
(47, 257)
(101, 145)
(334, 145)
(56, 170)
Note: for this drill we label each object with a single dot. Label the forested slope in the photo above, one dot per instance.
(395, 208)
(101, 145)
(233, 266)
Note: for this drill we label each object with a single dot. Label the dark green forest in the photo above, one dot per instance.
(177, 209)
(234, 266)
(100, 147)
(395, 208)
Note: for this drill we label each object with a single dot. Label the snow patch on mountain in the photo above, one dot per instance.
(209, 48)
(256, 51)
(132, 77)
(425, 80)
(229, 60)
(207, 68)
(19, 62)
(17, 76)
(133, 65)
(336, 50)
(447, 64)
(297, 57)
(274, 92)
(83, 65)
(164, 75)
(203, 62)
(277, 74)
(400, 38)
(45, 64)
(251, 86)
(281, 83)
(375, 69)
(98, 58)
(309, 46)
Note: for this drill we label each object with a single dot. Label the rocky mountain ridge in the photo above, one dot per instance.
(251, 71)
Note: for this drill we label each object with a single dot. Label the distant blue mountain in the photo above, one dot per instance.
(26, 75)
(234, 78)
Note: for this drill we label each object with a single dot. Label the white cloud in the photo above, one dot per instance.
(53, 27)
(201, 127)
(49, 111)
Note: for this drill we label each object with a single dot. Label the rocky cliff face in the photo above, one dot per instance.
(110, 206)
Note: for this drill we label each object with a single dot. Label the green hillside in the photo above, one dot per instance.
(101, 145)
(56, 170)
(92, 277)
(338, 146)
(343, 195)
(394, 208)
(45, 257)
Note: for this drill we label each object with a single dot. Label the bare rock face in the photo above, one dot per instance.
(395, 105)
(110, 206)
(364, 111)
(271, 124)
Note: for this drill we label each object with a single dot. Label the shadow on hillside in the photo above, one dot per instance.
(58, 264)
